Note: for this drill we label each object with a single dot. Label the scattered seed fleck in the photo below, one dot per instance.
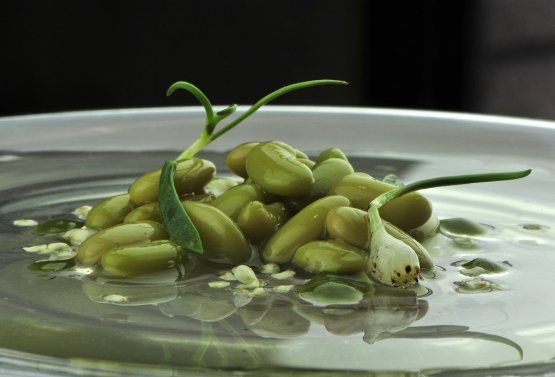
(269, 268)
(258, 292)
(283, 275)
(282, 288)
(41, 249)
(219, 284)
(25, 222)
(245, 274)
(58, 247)
(229, 276)
(82, 211)
(77, 236)
(115, 298)
(251, 285)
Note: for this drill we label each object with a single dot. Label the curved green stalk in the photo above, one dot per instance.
(451, 180)
(212, 119)
(271, 97)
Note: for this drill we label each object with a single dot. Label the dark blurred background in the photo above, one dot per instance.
(484, 56)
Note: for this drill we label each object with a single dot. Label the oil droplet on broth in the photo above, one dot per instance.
(463, 228)
(533, 227)
(478, 285)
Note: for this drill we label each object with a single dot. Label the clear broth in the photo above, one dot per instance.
(185, 324)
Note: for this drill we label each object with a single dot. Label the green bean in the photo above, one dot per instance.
(274, 166)
(190, 177)
(235, 159)
(233, 200)
(258, 221)
(326, 174)
(130, 261)
(349, 225)
(308, 162)
(151, 211)
(331, 153)
(109, 212)
(307, 225)
(107, 239)
(221, 238)
(330, 256)
(406, 212)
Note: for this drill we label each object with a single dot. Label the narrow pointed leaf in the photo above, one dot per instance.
(176, 220)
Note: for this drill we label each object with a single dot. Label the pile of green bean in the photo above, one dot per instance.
(310, 214)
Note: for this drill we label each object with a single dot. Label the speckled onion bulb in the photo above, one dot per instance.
(395, 262)
(392, 261)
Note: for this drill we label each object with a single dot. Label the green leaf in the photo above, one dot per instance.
(176, 220)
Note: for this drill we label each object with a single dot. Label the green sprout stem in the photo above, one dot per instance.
(212, 119)
(176, 220)
(386, 197)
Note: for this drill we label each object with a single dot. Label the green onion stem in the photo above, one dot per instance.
(212, 119)
(388, 196)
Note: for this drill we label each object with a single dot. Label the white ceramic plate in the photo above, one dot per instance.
(53, 163)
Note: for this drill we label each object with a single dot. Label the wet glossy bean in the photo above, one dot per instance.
(233, 200)
(274, 166)
(151, 211)
(131, 234)
(258, 221)
(235, 159)
(109, 212)
(307, 225)
(130, 261)
(222, 241)
(326, 174)
(309, 163)
(331, 153)
(190, 177)
(406, 212)
(349, 225)
(330, 256)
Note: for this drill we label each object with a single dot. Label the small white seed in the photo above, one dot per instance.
(283, 275)
(58, 247)
(258, 292)
(219, 284)
(77, 236)
(36, 249)
(282, 288)
(82, 211)
(269, 268)
(245, 274)
(25, 222)
(227, 276)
